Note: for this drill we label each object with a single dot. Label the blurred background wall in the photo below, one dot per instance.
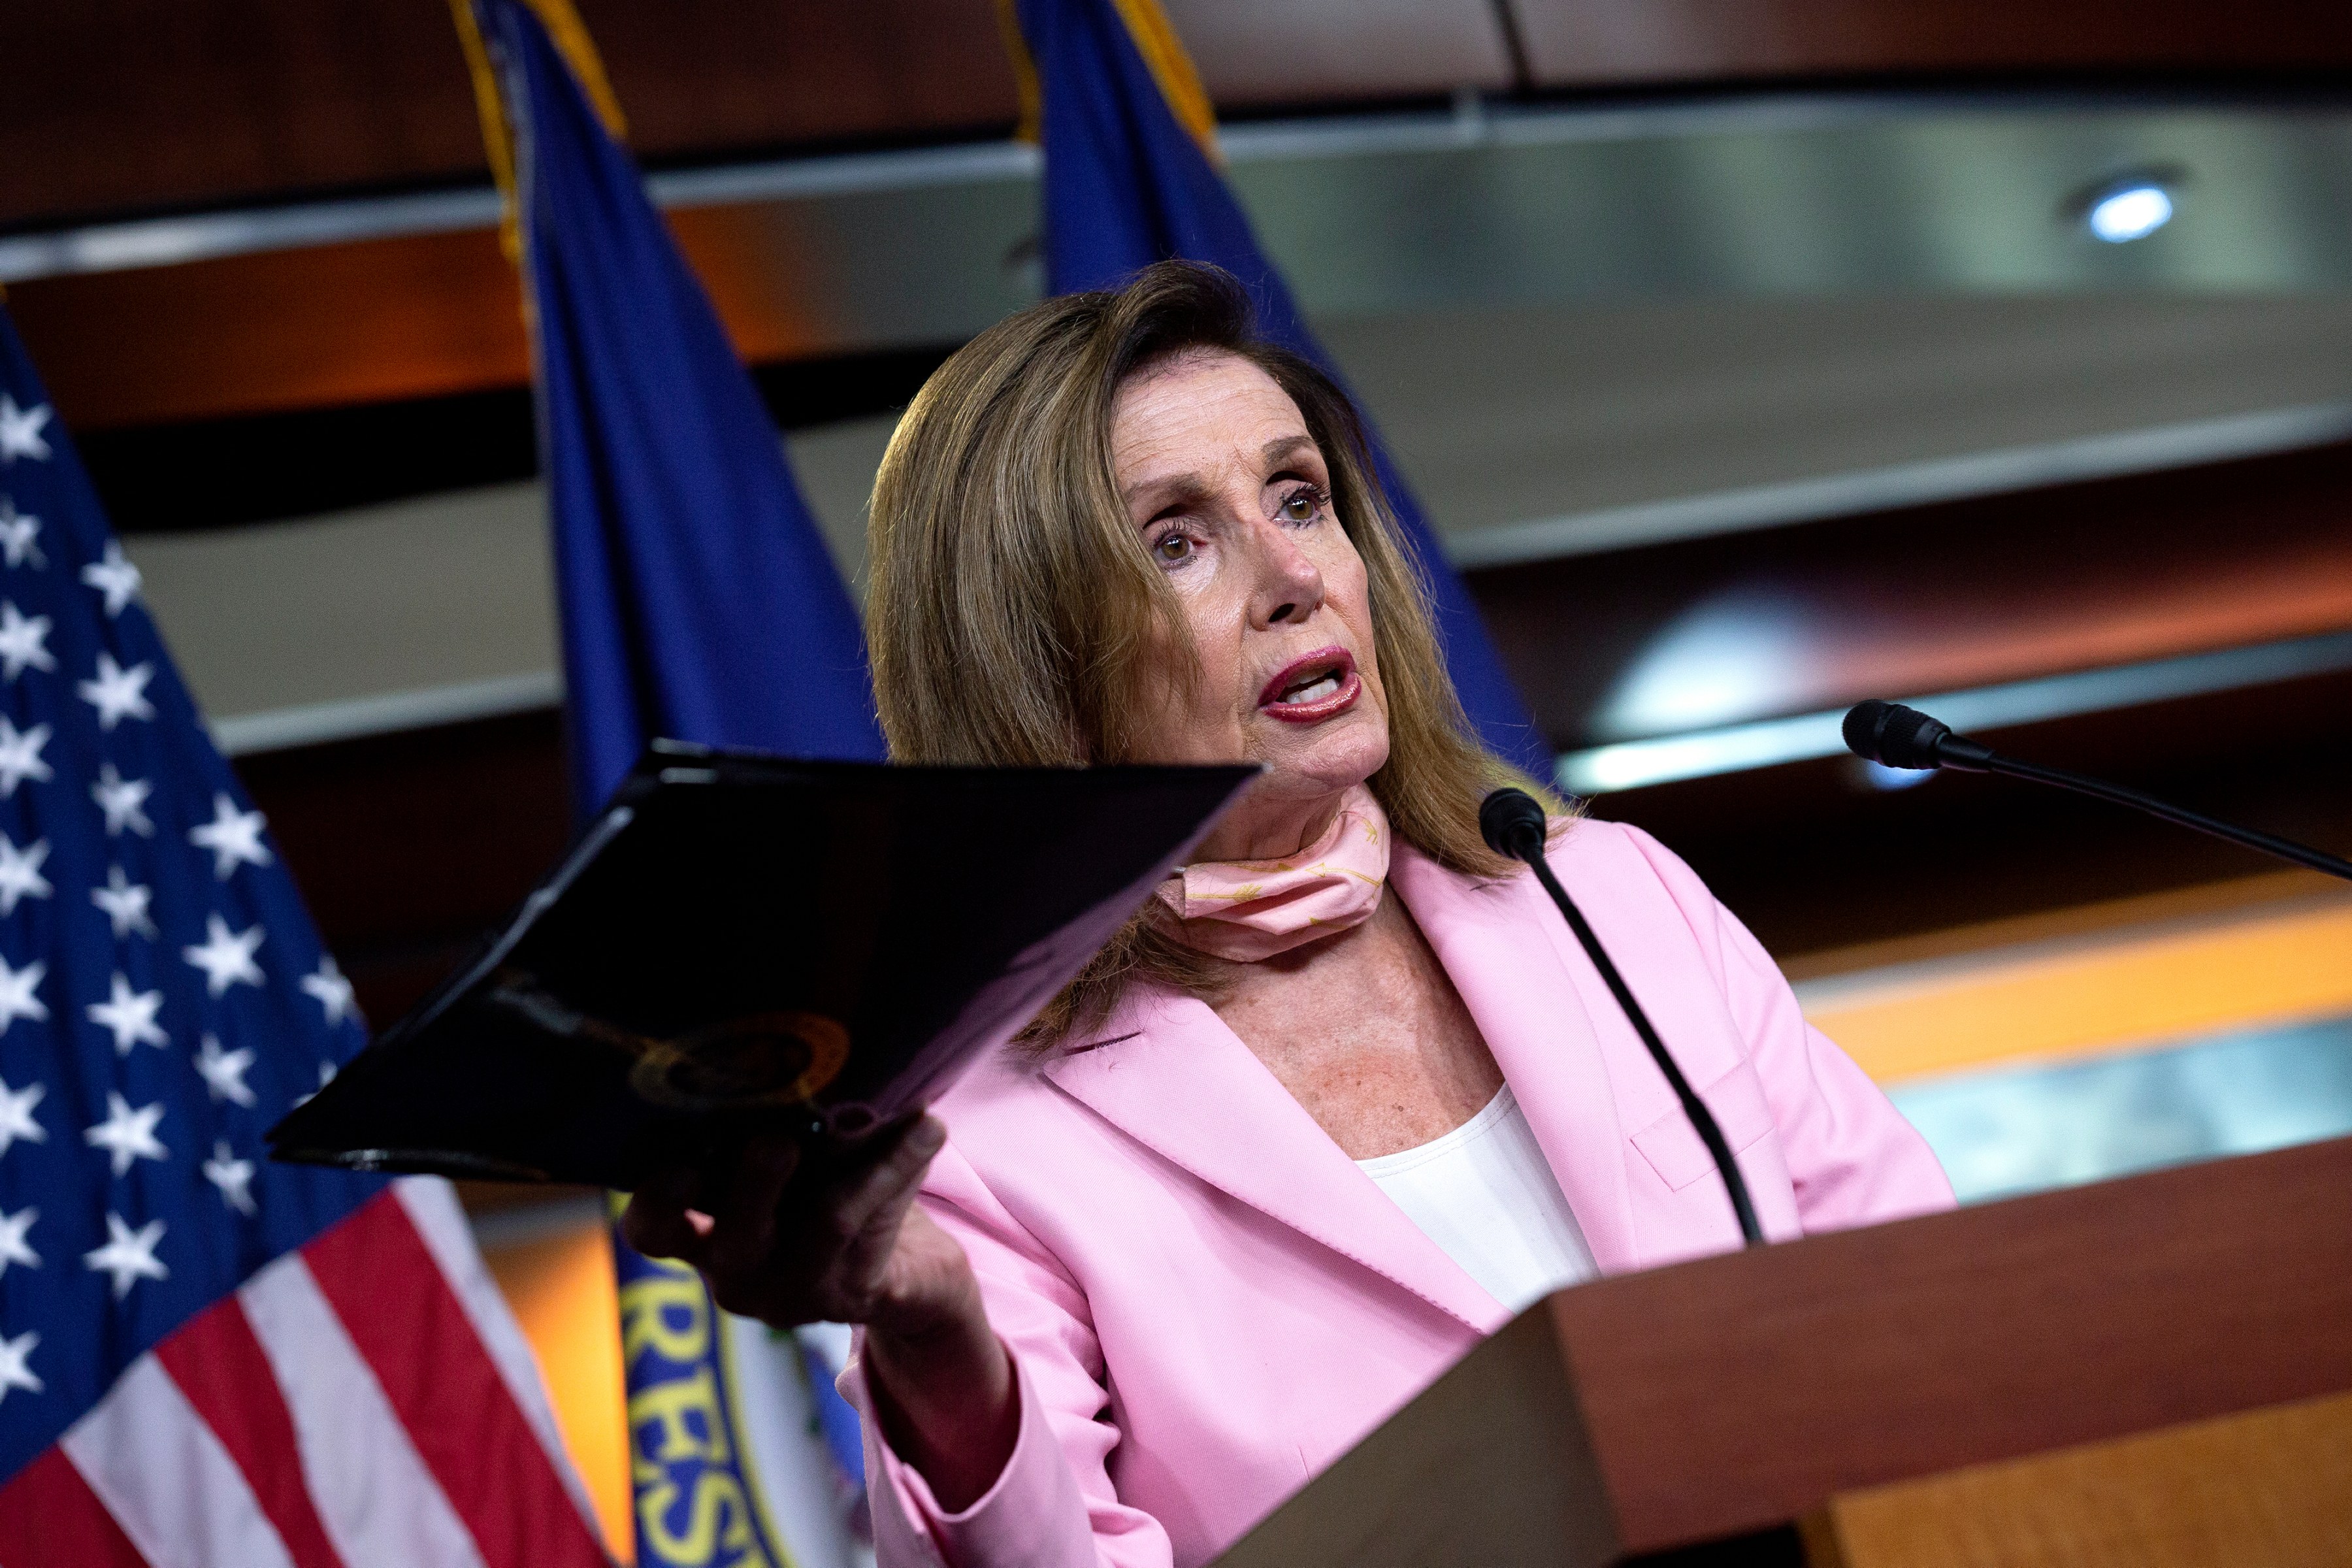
(1751, 357)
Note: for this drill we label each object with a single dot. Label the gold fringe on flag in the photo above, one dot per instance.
(1024, 72)
(569, 36)
(1155, 40)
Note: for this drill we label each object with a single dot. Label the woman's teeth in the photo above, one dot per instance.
(1322, 686)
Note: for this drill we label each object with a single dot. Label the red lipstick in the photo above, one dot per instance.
(1328, 674)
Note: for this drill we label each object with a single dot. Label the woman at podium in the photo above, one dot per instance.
(1348, 1096)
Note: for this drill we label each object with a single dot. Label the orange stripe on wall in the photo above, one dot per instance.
(2086, 995)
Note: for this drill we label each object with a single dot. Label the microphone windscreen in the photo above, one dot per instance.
(1892, 735)
(1512, 823)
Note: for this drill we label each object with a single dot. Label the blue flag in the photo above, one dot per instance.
(1128, 184)
(698, 599)
(698, 602)
(163, 998)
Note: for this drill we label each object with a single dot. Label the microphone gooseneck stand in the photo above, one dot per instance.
(1894, 736)
(1513, 824)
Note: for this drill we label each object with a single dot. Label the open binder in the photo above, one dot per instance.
(745, 943)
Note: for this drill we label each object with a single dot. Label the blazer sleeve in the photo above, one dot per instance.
(1852, 1157)
(1053, 1506)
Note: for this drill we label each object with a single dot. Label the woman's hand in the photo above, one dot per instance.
(791, 1240)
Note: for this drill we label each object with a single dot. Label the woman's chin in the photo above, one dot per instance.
(1322, 761)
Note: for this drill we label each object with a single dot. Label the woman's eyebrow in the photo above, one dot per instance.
(1285, 446)
(1169, 489)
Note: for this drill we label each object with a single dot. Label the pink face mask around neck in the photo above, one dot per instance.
(1245, 910)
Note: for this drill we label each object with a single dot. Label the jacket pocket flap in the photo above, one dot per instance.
(1672, 1145)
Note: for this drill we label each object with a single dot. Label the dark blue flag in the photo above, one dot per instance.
(698, 602)
(1128, 184)
(697, 596)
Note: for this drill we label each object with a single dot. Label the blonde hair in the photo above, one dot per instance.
(1013, 605)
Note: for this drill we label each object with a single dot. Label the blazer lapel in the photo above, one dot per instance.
(1506, 951)
(1172, 1076)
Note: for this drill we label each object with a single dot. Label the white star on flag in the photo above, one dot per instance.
(123, 800)
(24, 642)
(333, 992)
(232, 836)
(20, 873)
(129, 1016)
(17, 529)
(115, 577)
(20, 431)
(223, 1071)
(13, 1373)
(127, 1253)
(16, 998)
(20, 757)
(226, 958)
(125, 904)
(127, 1134)
(232, 1175)
(17, 1115)
(118, 693)
(14, 1248)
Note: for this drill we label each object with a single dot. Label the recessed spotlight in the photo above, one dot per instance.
(2131, 208)
(2133, 213)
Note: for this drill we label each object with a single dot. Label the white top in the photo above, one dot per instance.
(1484, 1193)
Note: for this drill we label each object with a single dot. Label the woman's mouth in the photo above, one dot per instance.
(1314, 687)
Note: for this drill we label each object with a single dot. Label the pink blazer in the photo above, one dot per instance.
(1208, 1302)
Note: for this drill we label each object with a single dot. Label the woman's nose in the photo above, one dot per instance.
(1290, 585)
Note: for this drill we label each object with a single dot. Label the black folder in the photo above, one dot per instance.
(743, 942)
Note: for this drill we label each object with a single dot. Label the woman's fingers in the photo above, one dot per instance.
(746, 1213)
(656, 1223)
(791, 1239)
(867, 1263)
(858, 1201)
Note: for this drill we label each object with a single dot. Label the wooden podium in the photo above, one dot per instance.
(2147, 1372)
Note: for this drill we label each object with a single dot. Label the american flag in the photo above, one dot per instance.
(205, 1359)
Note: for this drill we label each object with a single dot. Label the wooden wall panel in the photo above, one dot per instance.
(696, 76)
(1277, 55)
(118, 106)
(1611, 43)
(322, 326)
(128, 105)
(342, 326)
(1938, 598)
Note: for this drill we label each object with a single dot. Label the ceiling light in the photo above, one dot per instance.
(2131, 209)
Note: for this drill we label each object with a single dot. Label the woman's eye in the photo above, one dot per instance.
(1301, 506)
(1172, 549)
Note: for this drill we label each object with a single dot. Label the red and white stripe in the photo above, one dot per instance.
(365, 1400)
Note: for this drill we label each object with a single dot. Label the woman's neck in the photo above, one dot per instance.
(1270, 830)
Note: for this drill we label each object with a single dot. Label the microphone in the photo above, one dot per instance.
(1512, 821)
(1897, 737)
